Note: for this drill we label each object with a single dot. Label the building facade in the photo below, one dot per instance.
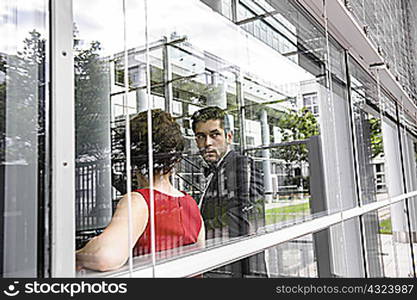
(322, 95)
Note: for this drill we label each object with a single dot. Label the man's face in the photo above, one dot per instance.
(211, 140)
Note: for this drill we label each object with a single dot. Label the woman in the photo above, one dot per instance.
(177, 218)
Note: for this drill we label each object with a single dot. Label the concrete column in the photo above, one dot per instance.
(394, 181)
(141, 99)
(218, 96)
(266, 155)
(411, 181)
(344, 239)
(242, 111)
(167, 77)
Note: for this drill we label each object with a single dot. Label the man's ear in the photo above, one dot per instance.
(229, 136)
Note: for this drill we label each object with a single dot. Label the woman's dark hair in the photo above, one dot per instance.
(167, 142)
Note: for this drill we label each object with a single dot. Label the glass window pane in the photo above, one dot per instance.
(24, 114)
(368, 135)
(387, 253)
(100, 175)
(250, 132)
(294, 259)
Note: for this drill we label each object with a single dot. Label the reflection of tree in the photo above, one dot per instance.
(26, 88)
(2, 105)
(376, 137)
(25, 100)
(91, 103)
(92, 136)
(296, 126)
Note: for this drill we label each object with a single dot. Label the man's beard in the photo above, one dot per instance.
(204, 154)
(219, 154)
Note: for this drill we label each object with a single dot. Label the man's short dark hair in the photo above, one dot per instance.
(210, 113)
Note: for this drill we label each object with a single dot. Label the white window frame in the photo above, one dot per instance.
(63, 141)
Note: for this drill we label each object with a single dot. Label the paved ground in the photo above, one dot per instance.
(296, 258)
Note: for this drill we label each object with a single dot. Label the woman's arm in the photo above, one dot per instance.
(201, 238)
(110, 250)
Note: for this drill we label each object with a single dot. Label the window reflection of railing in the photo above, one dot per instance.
(187, 177)
(94, 207)
(290, 197)
(92, 202)
(190, 173)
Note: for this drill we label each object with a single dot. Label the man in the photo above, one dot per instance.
(232, 202)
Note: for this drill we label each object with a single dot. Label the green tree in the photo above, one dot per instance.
(24, 77)
(376, 137)
(92, 135)
(296, 126)
(22, 97)
(92, 103)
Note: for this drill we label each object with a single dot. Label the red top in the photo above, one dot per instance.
(177, 222)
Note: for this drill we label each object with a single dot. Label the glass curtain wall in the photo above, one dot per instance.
(24, 108)
(260, 71)
(339, 155)
(380, 172)
(397, 183)
(390, 27)
(369, 154)
(392, 258)
(201, 123)
(294, 258)
(408, 137)
(95, 44)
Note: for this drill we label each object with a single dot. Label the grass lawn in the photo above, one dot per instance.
(385, 226)
(278, 214)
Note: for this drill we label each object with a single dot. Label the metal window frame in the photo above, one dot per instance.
(63, 141)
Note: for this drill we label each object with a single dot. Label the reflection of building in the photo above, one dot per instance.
(380, 181)
(262, 61)
(310, 102)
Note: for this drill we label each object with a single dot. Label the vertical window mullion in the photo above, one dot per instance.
(63, 141)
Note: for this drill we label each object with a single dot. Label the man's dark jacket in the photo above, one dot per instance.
(233, 203)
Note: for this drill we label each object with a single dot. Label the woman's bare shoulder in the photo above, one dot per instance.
(137, 200)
